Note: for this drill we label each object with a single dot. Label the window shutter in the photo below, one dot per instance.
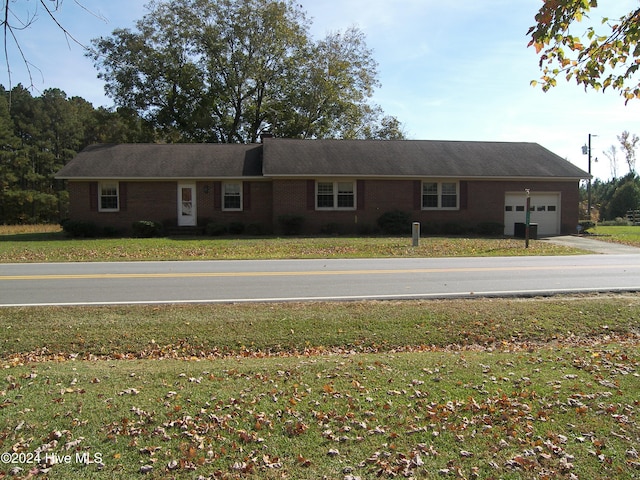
(464, 195)
(217, 196)
(417, 194)
(123, 196)
(311, 194)
(246, 195)
(93, 196)
(360, 194)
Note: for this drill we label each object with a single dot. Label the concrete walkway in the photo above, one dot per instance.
(593, 245)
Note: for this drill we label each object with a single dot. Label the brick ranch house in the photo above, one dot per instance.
(345, 184)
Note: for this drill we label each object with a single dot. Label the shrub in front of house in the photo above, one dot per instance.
(291, 224)
(332, 228)
(215, 229)
(366, 230)
(236, 228)
(79, 228)
(454, 228)
(110, 232)
(395, 222)
(146, 229)
(430, 228)
(255, 229)
(490, 229)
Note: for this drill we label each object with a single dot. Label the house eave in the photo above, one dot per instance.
(159, 179)
(268, 178)
(418, 176)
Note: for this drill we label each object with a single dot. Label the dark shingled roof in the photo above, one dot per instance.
(321, 158)
(411, 158)
(160, 161)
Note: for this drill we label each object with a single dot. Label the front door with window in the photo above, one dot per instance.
(187, 214)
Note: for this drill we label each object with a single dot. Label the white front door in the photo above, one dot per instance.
(187, 214)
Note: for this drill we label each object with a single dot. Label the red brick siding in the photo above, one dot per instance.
(289, 197)
(157, 201)
(256, 204)
(483, 202)
(269, 199)
(144, 201)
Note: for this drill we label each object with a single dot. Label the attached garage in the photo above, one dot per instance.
(544, 208)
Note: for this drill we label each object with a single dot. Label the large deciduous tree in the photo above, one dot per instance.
(607, 56)
(227, 70)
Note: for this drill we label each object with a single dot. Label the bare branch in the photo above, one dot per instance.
(12, 23)
(66, 32)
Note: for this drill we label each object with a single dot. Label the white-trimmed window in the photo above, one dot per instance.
(340, 195)
(108, 197)
(232, 196)
(440, 195)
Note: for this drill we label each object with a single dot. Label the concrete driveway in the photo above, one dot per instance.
(593, 245)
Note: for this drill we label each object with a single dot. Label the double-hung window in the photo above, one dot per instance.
(232, 196)
(108, 197)
(440, 195)
(335, 195)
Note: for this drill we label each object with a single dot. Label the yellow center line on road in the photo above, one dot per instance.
(109, 276)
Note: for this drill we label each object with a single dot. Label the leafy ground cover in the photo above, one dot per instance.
(22, 244)
(486, 388)
(267, 329)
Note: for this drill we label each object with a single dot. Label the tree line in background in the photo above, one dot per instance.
(612, 199)
(39, 135)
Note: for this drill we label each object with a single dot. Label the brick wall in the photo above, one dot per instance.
(266, 201)
(257, 205)
(157, 201)
(154, 201)
(480, 201)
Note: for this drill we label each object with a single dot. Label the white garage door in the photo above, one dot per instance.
(545, 211)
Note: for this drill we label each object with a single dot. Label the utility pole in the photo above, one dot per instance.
(527, 224)
(587, 150)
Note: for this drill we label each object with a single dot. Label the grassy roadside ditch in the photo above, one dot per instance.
(485, 388)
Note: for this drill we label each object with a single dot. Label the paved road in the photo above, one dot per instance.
(303, 280)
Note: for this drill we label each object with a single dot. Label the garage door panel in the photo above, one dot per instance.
(544, 208)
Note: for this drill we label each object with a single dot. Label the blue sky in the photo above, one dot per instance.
(457, 70)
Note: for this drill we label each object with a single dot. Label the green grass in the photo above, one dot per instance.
(54, 247)
(483, 388)
(183, 331)
(627, 235)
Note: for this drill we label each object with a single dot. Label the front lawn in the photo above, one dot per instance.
(629, 235)
(487, 388)
(17, 245)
